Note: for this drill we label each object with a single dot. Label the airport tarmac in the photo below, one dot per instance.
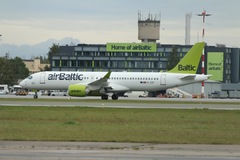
(105, 150)
(101, 150)
(123, 102)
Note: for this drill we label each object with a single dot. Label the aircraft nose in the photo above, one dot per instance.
(22, 83)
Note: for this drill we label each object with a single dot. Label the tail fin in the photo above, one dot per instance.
(190, 62)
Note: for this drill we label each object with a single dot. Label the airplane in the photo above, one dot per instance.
(105, 84)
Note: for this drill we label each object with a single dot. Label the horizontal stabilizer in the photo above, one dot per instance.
(187, 77)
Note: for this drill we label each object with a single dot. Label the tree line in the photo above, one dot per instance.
(14, 69)
(11, 70)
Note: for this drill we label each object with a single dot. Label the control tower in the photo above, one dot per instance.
(148, 28)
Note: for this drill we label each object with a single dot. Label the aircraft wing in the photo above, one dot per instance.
(95, 85)
(188, 77)
(102, 80)
(104, 87)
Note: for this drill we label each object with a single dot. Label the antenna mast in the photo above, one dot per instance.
(203, 15)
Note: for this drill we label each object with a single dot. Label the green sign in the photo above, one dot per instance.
(131, 47)
(215, 65)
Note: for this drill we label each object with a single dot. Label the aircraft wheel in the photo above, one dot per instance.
(104, 97)
(114, 97)
(35, 96)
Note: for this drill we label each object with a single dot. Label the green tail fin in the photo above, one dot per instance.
(190, 62)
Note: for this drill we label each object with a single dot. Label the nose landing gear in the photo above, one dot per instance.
(35, 95)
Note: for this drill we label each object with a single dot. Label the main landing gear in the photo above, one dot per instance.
(104, 97)
(114, 97)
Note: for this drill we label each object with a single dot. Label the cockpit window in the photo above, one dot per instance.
(30, 77)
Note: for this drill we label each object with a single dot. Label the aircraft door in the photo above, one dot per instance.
(92, 78)
(42, 78)
(163, 79)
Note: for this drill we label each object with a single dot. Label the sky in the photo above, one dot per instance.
(28, 22)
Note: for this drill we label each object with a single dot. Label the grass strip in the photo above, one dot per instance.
(170, 126)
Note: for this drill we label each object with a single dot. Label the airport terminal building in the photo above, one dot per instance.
(222, 62)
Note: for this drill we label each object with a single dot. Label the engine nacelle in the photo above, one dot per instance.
(78, 90)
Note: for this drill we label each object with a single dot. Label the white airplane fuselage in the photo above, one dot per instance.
(120, 81)
(80, 84)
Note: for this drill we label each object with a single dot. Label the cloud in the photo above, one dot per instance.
(30, 22)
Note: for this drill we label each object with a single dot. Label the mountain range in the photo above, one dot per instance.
(36, 50)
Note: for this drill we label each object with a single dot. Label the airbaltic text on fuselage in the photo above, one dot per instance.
(65, 76)
(186, 68)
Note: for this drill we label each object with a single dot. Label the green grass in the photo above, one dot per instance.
(196, 126)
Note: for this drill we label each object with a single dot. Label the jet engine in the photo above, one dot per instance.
(78, 90)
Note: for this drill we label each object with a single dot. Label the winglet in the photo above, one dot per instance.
(107, 75)
(101, 81)
(189, 63)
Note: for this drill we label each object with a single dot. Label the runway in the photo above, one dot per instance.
(102, 150)
(123, 102)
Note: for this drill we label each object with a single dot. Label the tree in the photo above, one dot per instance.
(173, 58)
(7, 55)
(46, 68)
(20, 69)
(3, 70)
(53, 50)
(43, 59)
(11, 70)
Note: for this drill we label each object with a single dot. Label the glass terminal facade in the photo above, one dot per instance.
(140, 57)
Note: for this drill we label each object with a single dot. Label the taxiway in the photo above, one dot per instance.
(123, 102)
(105, 150)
